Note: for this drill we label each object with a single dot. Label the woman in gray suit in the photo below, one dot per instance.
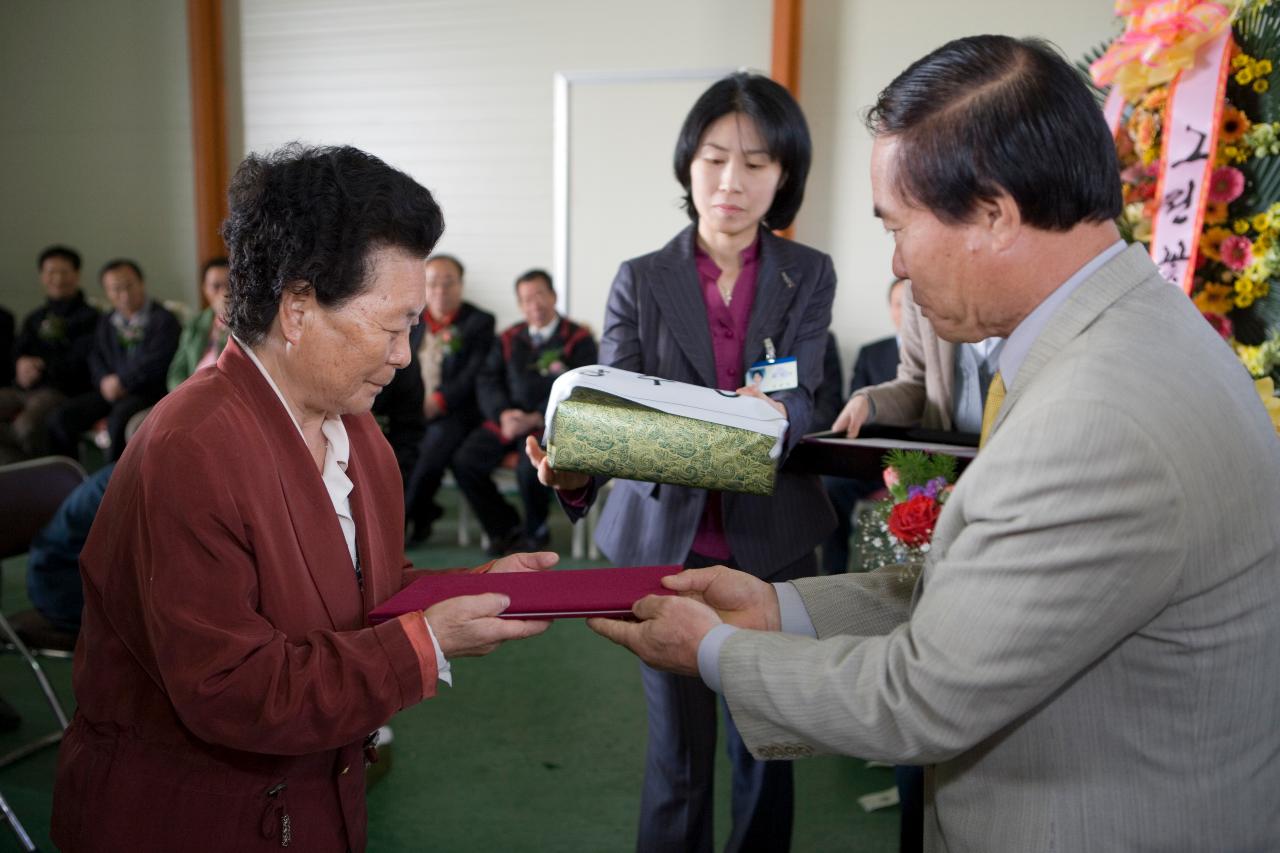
(703, 309)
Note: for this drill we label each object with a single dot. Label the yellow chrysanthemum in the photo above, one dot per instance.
(1240, 226)
(1240, 60)
(1262, 67)
(1266, 389)
(1252, 358)
(1211, 243)
(1215, 298)
(1244, 76)
(1257, 270)
(1261, 222)
(1260, 86)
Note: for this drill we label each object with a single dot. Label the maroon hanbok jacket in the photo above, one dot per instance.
(225, 676)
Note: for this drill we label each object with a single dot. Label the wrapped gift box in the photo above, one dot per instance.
(615, 423)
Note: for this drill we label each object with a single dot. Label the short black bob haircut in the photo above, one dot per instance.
(535, 274)
(990, 114)
(307, 218)
(121, 263)
(67, 253)
(781, 124)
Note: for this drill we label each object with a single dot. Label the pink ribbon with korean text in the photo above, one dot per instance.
(1192, 118)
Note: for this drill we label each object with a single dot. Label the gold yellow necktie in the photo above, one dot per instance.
(995, 398)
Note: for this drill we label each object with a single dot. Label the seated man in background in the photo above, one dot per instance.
(512, 390)
(203, 337)
(51, 357)
(877, 362)
(449, 349)
(130, 359)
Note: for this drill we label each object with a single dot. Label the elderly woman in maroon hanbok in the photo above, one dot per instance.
(226, 677)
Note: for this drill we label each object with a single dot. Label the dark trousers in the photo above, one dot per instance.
(53, 561)
(441, 440)
(844, 494)
(79, 413)
(679, 774)
(911, 802)
(473, 466)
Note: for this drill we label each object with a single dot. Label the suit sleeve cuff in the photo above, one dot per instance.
(709, 654)
(428, 652)
(795, 618)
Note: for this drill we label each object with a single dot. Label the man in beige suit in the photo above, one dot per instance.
(1090, 659)
(921, 393)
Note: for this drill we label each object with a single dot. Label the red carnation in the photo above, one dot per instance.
(911, 522)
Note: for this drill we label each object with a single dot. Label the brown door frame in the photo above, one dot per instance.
(788, 27)
(208, 125)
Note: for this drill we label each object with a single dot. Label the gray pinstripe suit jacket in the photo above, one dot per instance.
(656, 323)
(1091, 658)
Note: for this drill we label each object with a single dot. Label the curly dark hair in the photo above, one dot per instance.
(307, 218)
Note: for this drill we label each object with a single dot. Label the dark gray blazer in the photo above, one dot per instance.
(656, 323)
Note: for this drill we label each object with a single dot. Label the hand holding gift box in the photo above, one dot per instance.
(604, 421)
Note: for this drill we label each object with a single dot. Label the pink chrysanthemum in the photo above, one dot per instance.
(1237, 252)
(1226, 184)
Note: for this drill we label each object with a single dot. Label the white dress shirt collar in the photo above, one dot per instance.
(542, 334)
(1022, 338)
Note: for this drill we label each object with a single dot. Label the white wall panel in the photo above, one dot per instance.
(95, 142)
(459, 93)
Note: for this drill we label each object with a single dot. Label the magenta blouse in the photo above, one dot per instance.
(728, 326)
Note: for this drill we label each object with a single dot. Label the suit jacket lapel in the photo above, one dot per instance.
(776, 284)
(315, 524)
(1116, 277)
(679, 298)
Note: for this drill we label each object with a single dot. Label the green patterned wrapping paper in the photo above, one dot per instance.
(599, 434)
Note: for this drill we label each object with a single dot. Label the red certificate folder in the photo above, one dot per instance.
(565, 594)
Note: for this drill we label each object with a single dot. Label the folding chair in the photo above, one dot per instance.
(30, 494)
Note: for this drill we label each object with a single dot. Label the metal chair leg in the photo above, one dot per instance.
(16, 825)
(49, 694)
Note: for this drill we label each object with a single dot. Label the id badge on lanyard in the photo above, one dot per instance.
(773, 374)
